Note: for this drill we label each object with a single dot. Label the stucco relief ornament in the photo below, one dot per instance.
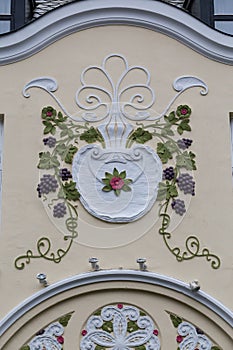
(190, 337)
(121, 327)
(103, 104)
(50, 337)
(115, 176)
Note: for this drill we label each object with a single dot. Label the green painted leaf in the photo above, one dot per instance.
(117, 192)
(53, 130)
(91, 135)
(106, 181)
(128, 181)
(185, 125)
(141, 347)
(107, 188)
(107, 327)
(186, 160)
(175, 320)
(215, 348)
(98, 347)
(126, 188)
(115, 172)
(162, 191)
(132, 326)
(25, 347)
(70, 154)
(64, 320)
(47, 161)
(171, 146)
(171, 191)
(163, 152)
(108, 176)
(70, 191)
(140, 135)
(180, 130)
(122, 175)
(97, 313)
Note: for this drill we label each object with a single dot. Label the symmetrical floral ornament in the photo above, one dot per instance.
(49, 338)
(115, 169)
(190, 337)
(121, 327)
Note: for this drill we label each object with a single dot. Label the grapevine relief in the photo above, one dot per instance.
(115, 176)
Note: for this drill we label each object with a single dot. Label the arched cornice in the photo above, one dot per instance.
(149, 14)
(85, 279)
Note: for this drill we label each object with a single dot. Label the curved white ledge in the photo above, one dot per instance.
(84, 279)
(150, 14)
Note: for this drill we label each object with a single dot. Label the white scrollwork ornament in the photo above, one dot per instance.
(48, 339)
(192, 340)
(127, 330)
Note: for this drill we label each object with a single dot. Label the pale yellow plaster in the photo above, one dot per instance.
(24, 219)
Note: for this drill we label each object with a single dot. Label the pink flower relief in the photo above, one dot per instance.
(184, 111)
(120, 306)
(60, 339)
(179, 339)
(49, 113)
(117, 183)
(155, 332)
(84, 332)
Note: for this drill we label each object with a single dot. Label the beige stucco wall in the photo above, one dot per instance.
(209, 215)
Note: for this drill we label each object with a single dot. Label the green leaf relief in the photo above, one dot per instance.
(115, 172)
(176, 320)
(91, 135)
(132, 326)
(186, 160)
(122, 175)
(126, 188)
(70, 154)
(70, 191)
(107, 188)
(64, 320)
(47, 161)
(171, 191)
(107, 327)
(25, 347)
(163, 152)
(140, 136)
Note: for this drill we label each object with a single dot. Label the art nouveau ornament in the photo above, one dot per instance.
(191, 339)
(120, 327)
(49, 339)
(117, 182)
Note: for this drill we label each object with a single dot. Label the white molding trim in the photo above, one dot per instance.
(104, 276)
(154, 15)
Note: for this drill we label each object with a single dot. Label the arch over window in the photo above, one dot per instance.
(157, 295)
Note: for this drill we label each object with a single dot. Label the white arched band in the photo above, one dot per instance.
(85, 279)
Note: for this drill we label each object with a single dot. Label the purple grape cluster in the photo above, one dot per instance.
(184, 143)
(65, 174)
(186, 184)
(47, 184)
(179, 206)
(168, 173)
(59, 210)
(50, 141)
